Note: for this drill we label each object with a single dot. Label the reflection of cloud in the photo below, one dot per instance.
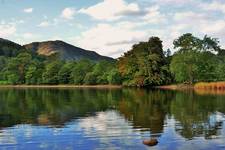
(216, 118)
(111, 128)
(7, 138)
(106, 124)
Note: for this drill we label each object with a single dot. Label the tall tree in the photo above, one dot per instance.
(195, 59)
(145, 64)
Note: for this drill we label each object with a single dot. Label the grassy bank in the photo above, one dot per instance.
(210, 85)
(199, 85)
(201, 88)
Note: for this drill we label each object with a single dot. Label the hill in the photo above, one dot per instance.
(9, 48)
(66, 51)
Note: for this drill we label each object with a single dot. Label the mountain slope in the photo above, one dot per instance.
(9, 48)
(65, 50)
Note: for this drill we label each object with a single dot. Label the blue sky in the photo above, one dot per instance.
(110, 27)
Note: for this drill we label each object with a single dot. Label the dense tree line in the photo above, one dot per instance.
(194, 60)
(146, 64)
(28, 69)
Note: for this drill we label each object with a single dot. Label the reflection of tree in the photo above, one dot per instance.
(145, 109)
(196, 114)
(51, 106)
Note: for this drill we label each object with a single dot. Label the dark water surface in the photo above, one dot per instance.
(110, 119)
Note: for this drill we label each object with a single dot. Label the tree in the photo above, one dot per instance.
(114, 77)
(195, 59)
(90, 78)
(80, 70)
(50, 74)
(65, 73)
(34, 72)
(145, 64)
(13, 78)
(23, 61)
(3, 62)
(187, 42)
(184, 66)
(101, 70)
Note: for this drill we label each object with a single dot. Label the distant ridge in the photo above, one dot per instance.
(65, 50)
(9, 48)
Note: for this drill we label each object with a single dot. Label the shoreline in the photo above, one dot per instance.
(200, 88)
(196, 86)
(176, 87)
(63, 86)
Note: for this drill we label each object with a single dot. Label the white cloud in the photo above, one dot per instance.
(111, 40)
(190, 17)
(214, 6)
(111, 10)
(153, 15)
(54, 38)
(27, 35)
(44, 24)
(173, 2)
(130, 25)
(28, 10)
(200, 23)
(6, 30)
(68, 13)
(214, 27)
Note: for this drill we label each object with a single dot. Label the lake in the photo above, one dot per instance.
(65, 119)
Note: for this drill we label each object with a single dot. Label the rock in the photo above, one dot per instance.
(150, 142)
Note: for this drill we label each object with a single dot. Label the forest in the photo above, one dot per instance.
(146, 64)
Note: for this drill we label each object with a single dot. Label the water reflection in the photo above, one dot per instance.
(115, 118)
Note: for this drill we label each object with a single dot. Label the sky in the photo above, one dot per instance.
(110, 27)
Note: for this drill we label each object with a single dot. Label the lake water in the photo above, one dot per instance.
(110, 119)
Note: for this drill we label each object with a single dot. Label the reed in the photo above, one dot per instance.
(210, 85)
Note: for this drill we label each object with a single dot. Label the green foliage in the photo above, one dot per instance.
(50, 74)
(90, 78)
(80, 70)
(184, 66)
(33, 73)
(13, 78)
(114, 77)
(101, 70)
(145, 64)
(65, 73)
(196, 59)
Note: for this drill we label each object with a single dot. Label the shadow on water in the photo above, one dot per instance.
(147, 110)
